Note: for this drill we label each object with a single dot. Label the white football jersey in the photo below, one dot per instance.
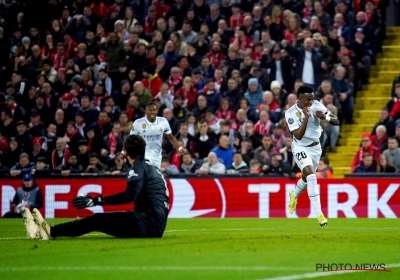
(152, 133)
(295, 116)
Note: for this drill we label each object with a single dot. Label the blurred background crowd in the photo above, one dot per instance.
(76, 74)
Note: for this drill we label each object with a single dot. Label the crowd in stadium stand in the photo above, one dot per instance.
(76, 74)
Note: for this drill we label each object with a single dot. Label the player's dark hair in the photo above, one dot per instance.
(304, 90)
(267, 136)
(135, 146)
(325, 160)
(385, 109)
(150, 104)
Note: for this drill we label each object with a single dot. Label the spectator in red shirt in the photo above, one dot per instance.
(216, 55)
(151, 80)
(241, 42)
(225, 112)
(236, 18)
(366, 147)
(380, 139)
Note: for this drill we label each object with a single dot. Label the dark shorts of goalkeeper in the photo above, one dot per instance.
(130, 224)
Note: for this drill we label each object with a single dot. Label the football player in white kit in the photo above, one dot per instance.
(152, 129)
(303, 120)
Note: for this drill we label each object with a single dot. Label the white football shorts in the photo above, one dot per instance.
(306, 155)
(155, 162)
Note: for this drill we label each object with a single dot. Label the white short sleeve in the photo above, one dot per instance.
(292, 122)
(134, 129)
(318, 106)
(167, 128)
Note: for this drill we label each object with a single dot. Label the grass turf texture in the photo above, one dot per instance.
(205, 249)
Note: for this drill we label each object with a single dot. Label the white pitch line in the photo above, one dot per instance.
(151, 268)
(322, 274)
(243, 229)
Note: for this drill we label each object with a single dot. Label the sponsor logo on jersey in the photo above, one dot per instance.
(152, 137)
(132, 174)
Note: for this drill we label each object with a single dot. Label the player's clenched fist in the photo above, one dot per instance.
(306, 112)
(320, 115)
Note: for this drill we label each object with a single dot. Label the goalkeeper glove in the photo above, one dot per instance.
(81, 202)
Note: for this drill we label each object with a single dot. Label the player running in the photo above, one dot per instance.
(146, 187)
(303, 120)
(152, 129)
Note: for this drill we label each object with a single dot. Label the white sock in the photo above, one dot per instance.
(313, 193)
(300, 187)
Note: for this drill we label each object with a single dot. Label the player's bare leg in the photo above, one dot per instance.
(313, 194)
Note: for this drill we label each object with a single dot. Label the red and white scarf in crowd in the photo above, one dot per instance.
(263, 128)
(58, 61)
(208, 92)
(173, 83)
(235, 20)
(279, 20)
(148, 25)
(256, 56)
(368, 16)
(228, 115)
(64, 159)
(97, 99)
(113, 144)
(102, 58)
(291, 37)
(305, 13)
(235, 125)
(278, 141)
(216, 58)
(70, 135)
(47, 99)
(13, 108)
(218, 84)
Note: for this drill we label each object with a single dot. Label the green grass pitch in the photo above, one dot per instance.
(207, 249)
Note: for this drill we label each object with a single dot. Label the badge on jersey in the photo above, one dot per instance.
(298, 114)
(132, 174)
(143, 125)
(290, 121)
(160, 129)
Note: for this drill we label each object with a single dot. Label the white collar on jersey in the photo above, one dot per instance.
(150, 123)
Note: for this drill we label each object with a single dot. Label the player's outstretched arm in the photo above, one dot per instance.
(176, 145)
(331, 118)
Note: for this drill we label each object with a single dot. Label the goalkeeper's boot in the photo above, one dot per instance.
(44, 227)
(322, 220)
(292, 202)
(32, 229)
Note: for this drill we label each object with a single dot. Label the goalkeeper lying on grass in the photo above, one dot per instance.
(146, 187)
